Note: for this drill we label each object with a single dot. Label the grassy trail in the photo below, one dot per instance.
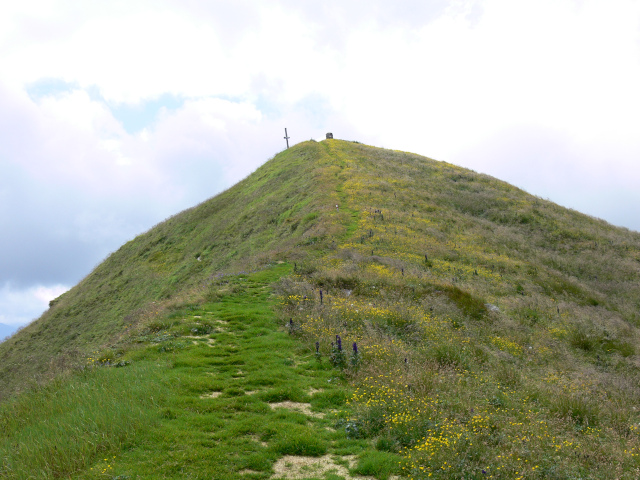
(233, 395)
(239, 390)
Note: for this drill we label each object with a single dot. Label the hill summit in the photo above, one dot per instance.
(455, 326)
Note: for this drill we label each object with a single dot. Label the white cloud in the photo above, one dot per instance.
(21, 306)
(543, 63)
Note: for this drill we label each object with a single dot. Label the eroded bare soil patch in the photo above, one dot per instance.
(292, 467)
(304, 408)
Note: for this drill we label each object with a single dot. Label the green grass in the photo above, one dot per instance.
(300, 440)
(496, 333)
(379, 464)
(193, 399)
(53, 432)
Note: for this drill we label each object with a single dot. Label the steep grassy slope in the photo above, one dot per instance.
(270, 211)
(480, 332)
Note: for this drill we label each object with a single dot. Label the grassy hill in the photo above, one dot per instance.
(344, 311)
(239, 229)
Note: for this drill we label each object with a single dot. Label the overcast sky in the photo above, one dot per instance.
(115, 115)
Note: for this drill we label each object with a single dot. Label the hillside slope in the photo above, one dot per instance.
(485, 332)
(270, 211)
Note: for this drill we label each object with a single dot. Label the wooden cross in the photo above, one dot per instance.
(286, 137)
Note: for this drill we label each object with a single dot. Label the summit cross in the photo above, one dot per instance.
(286, 137)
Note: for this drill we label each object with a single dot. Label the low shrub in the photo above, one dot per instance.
(578, 409)
(299, 440)
(449, 355)
(471, 306)
(378, 464)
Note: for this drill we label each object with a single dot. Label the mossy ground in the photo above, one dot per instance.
(496, 334)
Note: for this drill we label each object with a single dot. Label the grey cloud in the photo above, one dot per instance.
(43, 237)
